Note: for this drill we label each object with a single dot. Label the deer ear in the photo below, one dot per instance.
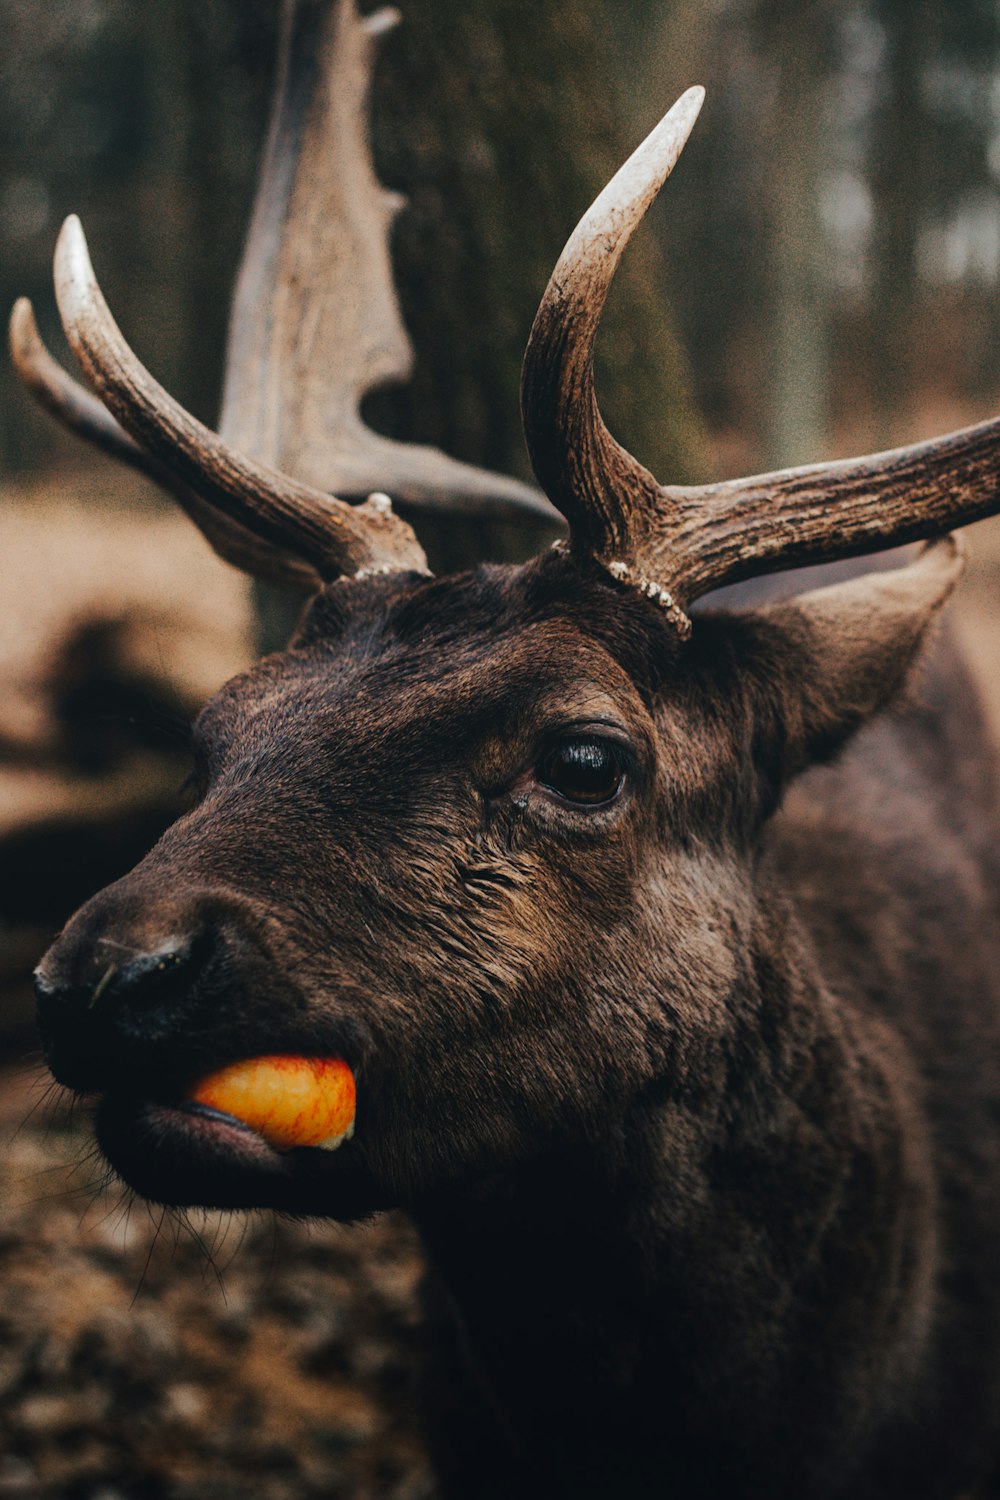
(831, 659)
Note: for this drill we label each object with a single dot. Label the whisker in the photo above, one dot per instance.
(152, 1246)
(199, 1240)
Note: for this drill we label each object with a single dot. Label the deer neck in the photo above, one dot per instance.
(677, 1272)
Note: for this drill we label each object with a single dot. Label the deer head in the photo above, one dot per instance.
(490, 838)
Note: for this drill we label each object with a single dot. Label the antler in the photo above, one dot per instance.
(315, 325)
(298, 366)
(678, 543)
(331, 536)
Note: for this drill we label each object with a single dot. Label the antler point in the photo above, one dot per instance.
(22, 325)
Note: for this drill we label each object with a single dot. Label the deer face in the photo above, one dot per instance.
(491, 841)
(435, 838)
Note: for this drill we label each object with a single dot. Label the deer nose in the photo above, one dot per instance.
(103, 1001)
(108, 981)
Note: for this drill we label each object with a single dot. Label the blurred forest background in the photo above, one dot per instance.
(831, 243)
(820, 277)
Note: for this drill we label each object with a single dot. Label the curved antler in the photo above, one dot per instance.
(586, 474)
(330, 536)
(677, 543)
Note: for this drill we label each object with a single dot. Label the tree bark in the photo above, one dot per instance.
(902, 175)
(795, 43)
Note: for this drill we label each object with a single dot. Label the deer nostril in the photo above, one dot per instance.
(145, 977)
(123, 977)
(103, 1003)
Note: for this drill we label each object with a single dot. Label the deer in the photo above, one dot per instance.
(662, 941)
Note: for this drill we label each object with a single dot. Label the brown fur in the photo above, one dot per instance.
(693, 1096)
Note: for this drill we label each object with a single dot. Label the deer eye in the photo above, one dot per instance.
(588, 772)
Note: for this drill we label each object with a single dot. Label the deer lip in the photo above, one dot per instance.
(184, 1154)
(218, 1118)
(168, 1132)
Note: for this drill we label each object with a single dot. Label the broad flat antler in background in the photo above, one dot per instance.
(678, 543)
(315, 326)
(299, 365)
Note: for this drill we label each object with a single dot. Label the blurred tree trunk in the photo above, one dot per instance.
(902, 174)
(90, 110)
(795, 49)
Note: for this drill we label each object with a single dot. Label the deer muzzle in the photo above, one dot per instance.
(215, 1083)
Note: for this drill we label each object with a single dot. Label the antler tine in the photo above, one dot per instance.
(330, 536)
(599, 487)
(299, 366)
(74, 406)
(797, 517)
(62, 396)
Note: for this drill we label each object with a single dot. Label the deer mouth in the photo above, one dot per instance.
(184, 1153)
(218, 1081)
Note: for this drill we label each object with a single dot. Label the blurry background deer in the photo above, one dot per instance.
(822, 279)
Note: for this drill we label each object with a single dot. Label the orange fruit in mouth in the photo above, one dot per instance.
(290, 1101)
